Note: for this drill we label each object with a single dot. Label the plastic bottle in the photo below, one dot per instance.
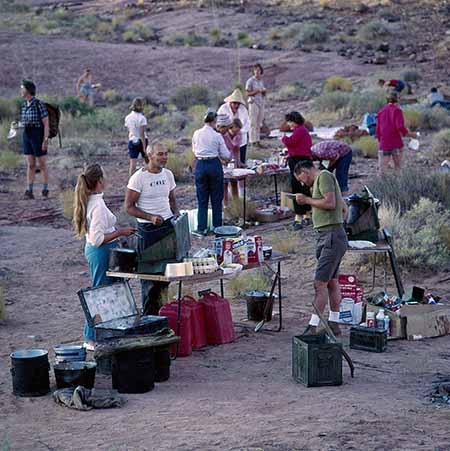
(228, 253)
(380, 319)
(370, 319)
(387, 325)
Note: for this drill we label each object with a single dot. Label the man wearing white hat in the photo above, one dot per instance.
(234, 107)
(209, 149)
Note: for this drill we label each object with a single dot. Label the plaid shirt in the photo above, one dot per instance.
(330, 150)
(32, 114)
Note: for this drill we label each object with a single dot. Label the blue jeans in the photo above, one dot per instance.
(150, 291)
(243, 153)
(209, 184)
(341, 167)
(98, 260)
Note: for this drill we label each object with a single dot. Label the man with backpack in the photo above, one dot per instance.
(36, 130)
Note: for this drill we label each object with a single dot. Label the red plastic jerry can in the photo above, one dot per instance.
(218, 319)
(197, 321)
(170, 310)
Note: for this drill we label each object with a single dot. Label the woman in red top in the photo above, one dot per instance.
(299, 149)
(389, 132)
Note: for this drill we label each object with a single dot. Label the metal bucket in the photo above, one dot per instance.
(70, 353)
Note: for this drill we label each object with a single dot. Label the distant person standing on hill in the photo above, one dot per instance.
(85, 87)
(390, 129)
(34, 119)
(234, 107)
(136, 123)
(256, 93)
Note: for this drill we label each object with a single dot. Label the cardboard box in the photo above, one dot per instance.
(397, 325)
(426, 321)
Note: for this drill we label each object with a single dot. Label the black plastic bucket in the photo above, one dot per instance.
(70, 353)
(29, 370)
(104, 365)
(162, 364)
(256, 304)
(133, 371)
(72, 374)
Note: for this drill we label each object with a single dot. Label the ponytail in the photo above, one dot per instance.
(86, 183)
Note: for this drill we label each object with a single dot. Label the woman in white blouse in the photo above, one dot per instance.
(92, 219)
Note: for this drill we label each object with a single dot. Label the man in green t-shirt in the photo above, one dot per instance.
(328, 212)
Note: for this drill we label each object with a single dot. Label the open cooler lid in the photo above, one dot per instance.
(107, 302)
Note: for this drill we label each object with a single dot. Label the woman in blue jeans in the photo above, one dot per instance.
(93, 220)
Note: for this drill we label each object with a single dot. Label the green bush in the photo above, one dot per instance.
(404, 189)
(374, 30)
(190, 39)
(367, 146)
(421, 238)
(424, 117)
(112, 96)
(188, 96)
(338, 84)
(366, 102)
(9, 159)
(294, 91)
(332, 101)
(74, 106)
(441, 144)
(107, 119)
(178, 165)
(10, 108)
(13, 7)
(139, 32)
(414, 118)
(312, 33)
(86, 149)
(248, 281)
(244, 39)
(85, 22)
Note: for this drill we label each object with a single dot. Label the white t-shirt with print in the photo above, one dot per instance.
(134, 121)
(154, 192)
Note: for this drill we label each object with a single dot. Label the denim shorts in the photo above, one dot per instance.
(134, 149)
(33, 137)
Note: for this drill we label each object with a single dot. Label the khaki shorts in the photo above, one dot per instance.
(331, 247)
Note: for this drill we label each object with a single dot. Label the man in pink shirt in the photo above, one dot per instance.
(390, 130)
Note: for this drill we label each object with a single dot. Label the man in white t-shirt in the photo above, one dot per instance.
(150, 198)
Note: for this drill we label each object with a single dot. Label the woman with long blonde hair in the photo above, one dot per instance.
(93, 220)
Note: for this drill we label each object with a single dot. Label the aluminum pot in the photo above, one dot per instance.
(122, 260)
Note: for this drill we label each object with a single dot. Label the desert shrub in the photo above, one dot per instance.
(111, 96)
(338, 84)
(235, 210)
(366, 102)
(9, 159)
(63, 14)
(248, 281)
(190, 39)
(312, 33)
(414, 118)
(332, 101)
(187, 96)
(288, 92)
(105, 28)
(74, 106)
(139, 32)
(177, 164)
(189, 157)
(107, 119)
(421, 236)
(374, 30)
(244, 39)
(67, 201)
(436, 118)
(404, 189)
(441, 144)
(13, 7)
(85, 149)
(285, 241)
(216, 34)
(410, 76)
(85, 22)
(9, 108)
(367, 146)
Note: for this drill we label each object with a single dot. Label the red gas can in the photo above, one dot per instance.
(171, 311)
(218, 320)
(197, 321)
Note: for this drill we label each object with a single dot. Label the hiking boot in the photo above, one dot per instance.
(45, 193)
(28, 194)
(297, 226)
(310, 330)
(335, 328)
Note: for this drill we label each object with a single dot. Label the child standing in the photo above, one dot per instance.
(233, 141)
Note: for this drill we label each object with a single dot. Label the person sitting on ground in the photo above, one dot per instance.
(328, 214)
(339, 155)
(232, 138)
(94, 221)
(150, 198)
(210, 151)
(256, 93)
(36, 129)
(389, 132)
(234, 107)
(396, 85)
(85, 87)
(136, 123)
(436, 98)
(299, 149)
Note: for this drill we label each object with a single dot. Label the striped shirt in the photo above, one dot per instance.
(330, 150)
(32, 113)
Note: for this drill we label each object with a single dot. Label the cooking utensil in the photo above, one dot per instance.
(227, 231)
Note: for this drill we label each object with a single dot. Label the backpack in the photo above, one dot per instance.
(54, 115)
(370, 123)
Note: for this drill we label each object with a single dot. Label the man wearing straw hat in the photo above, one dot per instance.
(234, 107)
(209, 149)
